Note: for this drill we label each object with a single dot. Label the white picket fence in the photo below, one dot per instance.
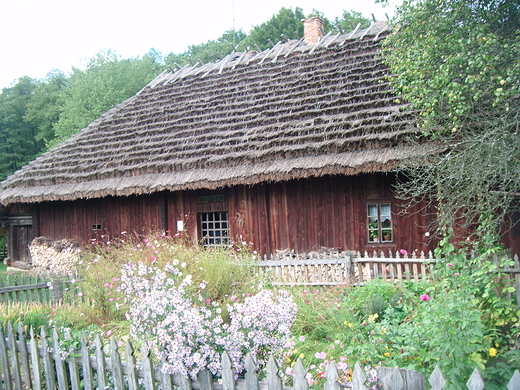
(334, 267)
(36, 362)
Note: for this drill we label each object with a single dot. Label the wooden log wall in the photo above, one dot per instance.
(300, 215)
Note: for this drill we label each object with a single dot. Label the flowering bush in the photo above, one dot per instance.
(188, 331)
(261, 325)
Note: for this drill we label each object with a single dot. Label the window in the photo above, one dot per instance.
(379, 223)
(214, 228)
(96, 226)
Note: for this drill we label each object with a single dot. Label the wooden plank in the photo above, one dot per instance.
(131, 371)
(35, 360)
(24, 356)
(85, 363)
(117, 368)
(48, 367)
(147, 368)
(61, 373)
(72, 360)
(4, 359)
(15, 364)
(100, 364)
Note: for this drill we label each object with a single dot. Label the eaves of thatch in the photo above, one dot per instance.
(291, 112)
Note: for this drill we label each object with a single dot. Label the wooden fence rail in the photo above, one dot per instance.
(38, 362)
(54, 289)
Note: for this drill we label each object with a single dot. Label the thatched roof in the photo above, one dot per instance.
(291, 112)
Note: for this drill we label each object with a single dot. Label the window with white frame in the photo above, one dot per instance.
(214, 228)
(380, 228)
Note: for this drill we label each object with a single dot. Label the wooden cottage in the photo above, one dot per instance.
(289, 148)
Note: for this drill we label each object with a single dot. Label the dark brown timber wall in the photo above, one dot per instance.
(302, 215)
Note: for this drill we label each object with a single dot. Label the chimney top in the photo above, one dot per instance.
(313, 30)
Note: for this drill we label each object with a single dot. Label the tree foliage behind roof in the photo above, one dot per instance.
(457, 62)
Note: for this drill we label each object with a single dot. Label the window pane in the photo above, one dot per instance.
(372, 210)
(214, 228)
(385, 209)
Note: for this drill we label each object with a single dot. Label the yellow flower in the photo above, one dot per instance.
(302, 355)
(492, 352)
(373, 317)
(387, 354)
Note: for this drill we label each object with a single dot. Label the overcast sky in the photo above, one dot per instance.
(37, 36)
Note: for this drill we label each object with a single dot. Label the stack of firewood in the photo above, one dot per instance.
(58, 257)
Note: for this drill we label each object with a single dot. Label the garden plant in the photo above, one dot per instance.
(189, 304)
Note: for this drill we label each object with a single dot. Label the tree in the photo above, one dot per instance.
(43, 109)
(286, 21)
(456, 63)
(18, 145)
(106, 81)
(350, 20)
(210, 51)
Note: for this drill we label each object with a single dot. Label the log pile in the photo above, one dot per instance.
(57, 257)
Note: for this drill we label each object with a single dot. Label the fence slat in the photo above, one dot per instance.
(63, 379)
(437, 380)
(72, 361)
(4, 358)
(514, 383)
(100, 364)
(85, 363)
(228, 376)
(48, 367)
(24, 356)
(300, 376)
(332, 377)
(251, 376)
(475, 381)
(358, 378)
(131, 371)
(147, 368)
(274, 382)
(117, 368)
(36, 361)
(15, 364)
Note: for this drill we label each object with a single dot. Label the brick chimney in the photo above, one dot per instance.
(312, 30)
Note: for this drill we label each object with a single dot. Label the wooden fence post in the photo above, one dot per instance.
(332, 377)
(251, 376)
(358, 379)
(48, 367)
(117, 369)
(437, 380)
(100, 364)
(85, 363)
(24, 356)
(147, 368)
(4, 359)
(35, 360)
(130, 367)
(475, 381)
(63, 380)
(11, 342)
(274, 382)
(73, 365)
(300, 376)
(228, 376)
(514, 383)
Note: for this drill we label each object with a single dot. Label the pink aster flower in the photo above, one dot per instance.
(320, 355)
(403, 251)
(425, 297)
(450, 265)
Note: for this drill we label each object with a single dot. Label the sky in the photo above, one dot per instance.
(37, 36)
